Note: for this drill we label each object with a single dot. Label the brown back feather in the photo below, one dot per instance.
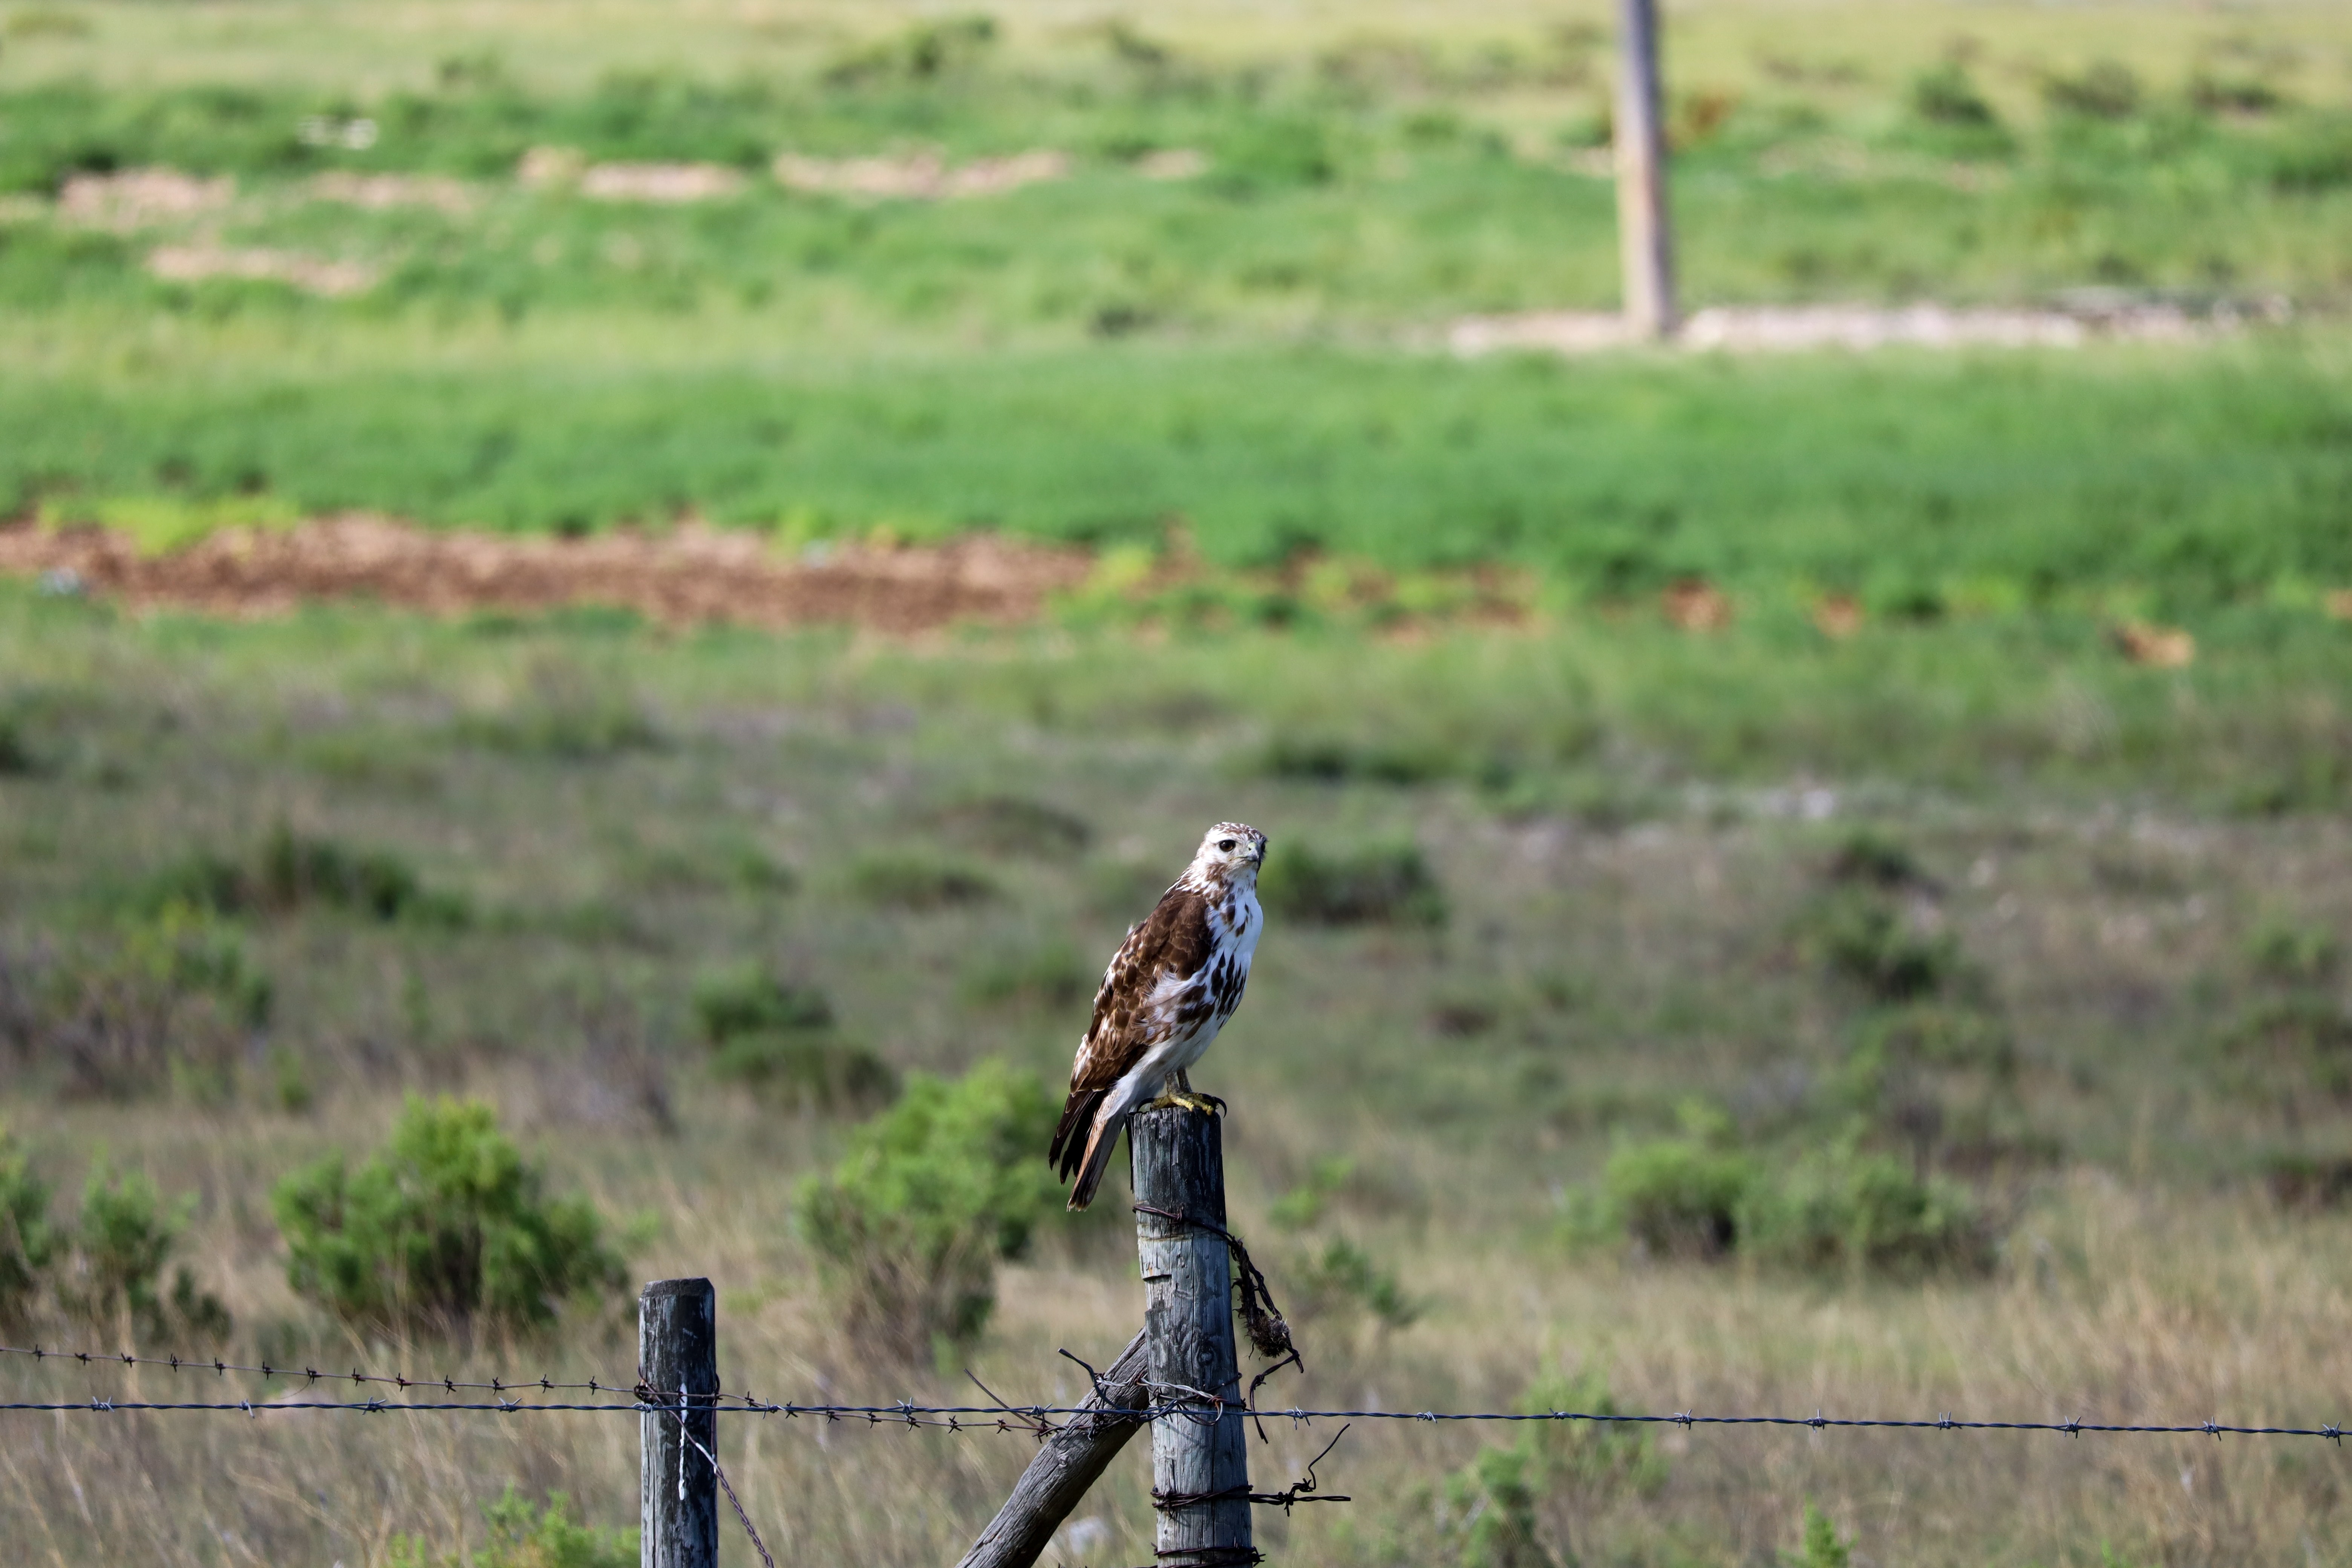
(1172, 939)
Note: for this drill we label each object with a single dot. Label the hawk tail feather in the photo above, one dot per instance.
(1096, 1160)
(1070, 1137)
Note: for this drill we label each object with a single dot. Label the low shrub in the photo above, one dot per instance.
(1819, 1545)
(2303, 1039)
(2104, 90)
(1330, 760)
(444, 1229)
(121, 1243)
(1865, 942)
(933, 1194)
(1344, 1275)
(1679, 1197)
(292, 871)
(1947, 95)
(746, 999)
(907, 880)
(161, 1003)
(564, 720)
(1869, 858)
(1011, 826)
(1380, 884)
(778, 1038)
(1052, 975)
(523, 1537)
(1849, 1210)
(1304, 1204)
(1842, 1209)
(2292, 954)
(1517, 1506)
(16, 757)
(28, 1242)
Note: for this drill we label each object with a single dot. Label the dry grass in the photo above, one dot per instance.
(1622, 966)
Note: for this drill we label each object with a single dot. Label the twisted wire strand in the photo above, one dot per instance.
(966, 1418)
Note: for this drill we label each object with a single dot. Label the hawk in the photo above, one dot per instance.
(1170, 988)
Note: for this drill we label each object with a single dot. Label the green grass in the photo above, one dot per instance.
(2190, 477)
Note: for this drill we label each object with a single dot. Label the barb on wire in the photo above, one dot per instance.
(1298, 1492)
(310, 1375)
(1165, 1400)
(1026, 1420)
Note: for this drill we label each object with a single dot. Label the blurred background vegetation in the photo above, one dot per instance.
(1811, 880)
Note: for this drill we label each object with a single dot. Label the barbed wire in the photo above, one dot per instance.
(1038, 1420)
(961, 1419)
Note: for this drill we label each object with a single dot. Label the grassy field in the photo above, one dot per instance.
(1642, 843)
(1251, 349)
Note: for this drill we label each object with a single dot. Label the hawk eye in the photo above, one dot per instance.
(1225, 844)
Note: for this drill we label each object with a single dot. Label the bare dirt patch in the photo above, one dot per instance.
(139, 198)
(922, 176)
(378, 191)
(690, 573)
(1786, 329)
(311, 274)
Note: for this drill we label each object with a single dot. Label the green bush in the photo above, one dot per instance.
(15, 752)
(28, 1242)
(1864, 941)
(778, 1038)
(1327, 760)
(163, 1001)
(1380, 884)
(1679, 1197)
(908, 879)
(524, 1537)
(1011, 826)
(444, 1228)
(121, 1242)
(2104, 90)
(1344, 1274)
(746, 999)
(1821, 1545)
(1866, 858)
(1511, 1507)
(1947, 95)
(932, 1192)
(1845, 1209)
(292, 871)
(1051, 975)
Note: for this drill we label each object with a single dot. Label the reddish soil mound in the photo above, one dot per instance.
(690, 573)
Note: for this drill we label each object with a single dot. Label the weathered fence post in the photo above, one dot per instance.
(1645, 234)
(1068, 1463)
(1200, 1456)
(677, 1379)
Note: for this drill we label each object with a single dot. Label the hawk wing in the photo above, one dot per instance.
(1172, 942)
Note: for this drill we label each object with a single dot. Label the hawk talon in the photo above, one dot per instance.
(1180, 1099)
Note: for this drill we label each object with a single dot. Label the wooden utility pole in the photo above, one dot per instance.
(678, 1378)
(1200, 1456)
(1067, 1464)
(1645, 239)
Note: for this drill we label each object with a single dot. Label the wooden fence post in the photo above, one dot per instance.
(1068, 1463)
(677, 1374)
(1644, 235)
(1200, 1456)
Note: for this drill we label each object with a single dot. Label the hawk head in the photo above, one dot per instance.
(1230, 851)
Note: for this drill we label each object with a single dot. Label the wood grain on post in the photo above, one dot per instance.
(1644, 235)
(1067, 1464)
(678, 1368)
(1200, 1456)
